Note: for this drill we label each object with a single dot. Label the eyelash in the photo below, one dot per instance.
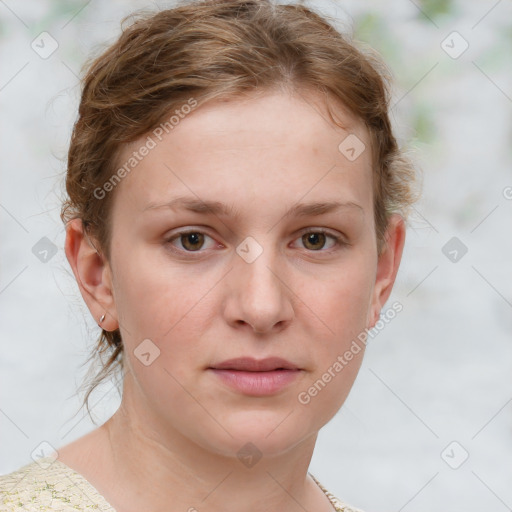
(339, 242)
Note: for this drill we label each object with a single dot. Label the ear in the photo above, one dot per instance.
(93, 275)
(387, 265)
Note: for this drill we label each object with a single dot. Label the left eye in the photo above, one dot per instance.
(192, 241)
(316, 238)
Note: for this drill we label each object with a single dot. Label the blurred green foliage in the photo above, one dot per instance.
(375, 31)
(58, 13)
(434, 8)
(424, 123)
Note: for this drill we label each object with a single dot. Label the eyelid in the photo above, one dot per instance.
(326, 231)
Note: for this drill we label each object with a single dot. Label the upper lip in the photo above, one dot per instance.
(255, 365)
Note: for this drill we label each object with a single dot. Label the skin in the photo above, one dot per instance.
(175, 438)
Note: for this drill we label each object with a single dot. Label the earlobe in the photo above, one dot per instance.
(93, 275)
(387, 265)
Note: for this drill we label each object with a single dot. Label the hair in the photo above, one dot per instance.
(220, 49)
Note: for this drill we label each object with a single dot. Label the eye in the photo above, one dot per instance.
(190, 241)
(314, 240)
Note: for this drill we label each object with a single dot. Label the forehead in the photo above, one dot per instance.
(275, 146)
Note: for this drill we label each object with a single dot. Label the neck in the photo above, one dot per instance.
(153, 467)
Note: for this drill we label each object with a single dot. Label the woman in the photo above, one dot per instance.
(235, 223)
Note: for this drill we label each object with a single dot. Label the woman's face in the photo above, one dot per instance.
(251, 279)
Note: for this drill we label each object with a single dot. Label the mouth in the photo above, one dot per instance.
(249, 364)
(256, 377)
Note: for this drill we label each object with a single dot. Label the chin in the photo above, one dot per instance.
(270, 433)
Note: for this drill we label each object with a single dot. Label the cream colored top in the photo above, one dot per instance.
(49, 484)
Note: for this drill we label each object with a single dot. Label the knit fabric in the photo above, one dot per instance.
(49, 484)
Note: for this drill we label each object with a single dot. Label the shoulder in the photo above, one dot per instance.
(339, 505)
(48, 484)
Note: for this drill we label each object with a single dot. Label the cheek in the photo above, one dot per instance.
(151, 294)
(342, 304)
(168, 305)
(343, 299)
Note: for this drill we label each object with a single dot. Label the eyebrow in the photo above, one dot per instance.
(217, 208)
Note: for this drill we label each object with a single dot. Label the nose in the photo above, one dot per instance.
(258, 295)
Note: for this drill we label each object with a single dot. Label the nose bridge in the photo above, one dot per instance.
(261, 297)
(255, 263)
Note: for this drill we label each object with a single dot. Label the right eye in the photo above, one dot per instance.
(190, 241)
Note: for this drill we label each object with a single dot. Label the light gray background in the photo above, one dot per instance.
(438, 373)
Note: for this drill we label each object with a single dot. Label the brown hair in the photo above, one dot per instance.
(216, 49)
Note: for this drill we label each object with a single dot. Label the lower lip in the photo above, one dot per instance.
(257, 383)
